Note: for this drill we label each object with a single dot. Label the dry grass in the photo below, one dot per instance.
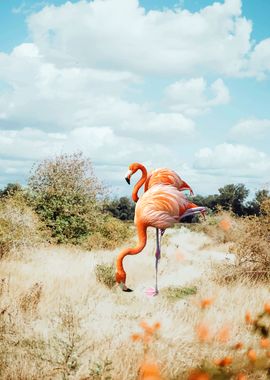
(58, 322)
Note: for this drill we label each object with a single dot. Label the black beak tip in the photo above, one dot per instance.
(127, 290)
(128, 180)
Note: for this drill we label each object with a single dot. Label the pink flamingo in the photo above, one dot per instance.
(159, 176)
(160, 207)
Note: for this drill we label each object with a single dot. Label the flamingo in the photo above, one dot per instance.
(159, 176)
(160, 207)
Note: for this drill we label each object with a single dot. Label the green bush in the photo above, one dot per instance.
(105, 274)
(64, 192)
(109, 233)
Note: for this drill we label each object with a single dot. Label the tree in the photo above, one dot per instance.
(232, 197)
(10, 190)
(122, 208)
(254, 207)
(64, 191)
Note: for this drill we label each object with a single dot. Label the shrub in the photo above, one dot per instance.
(109, 233)
(19, 225)
(105, 274)
(64, 192)
(252, 244)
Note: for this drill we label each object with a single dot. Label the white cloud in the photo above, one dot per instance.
(251, 129)
(259, 64)
(123, 35)
(190, 95)
(233, 161)
(72, 88)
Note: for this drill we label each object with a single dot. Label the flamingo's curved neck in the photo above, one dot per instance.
(142, 236)
(139, 183)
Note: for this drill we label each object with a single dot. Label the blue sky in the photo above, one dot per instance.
(180, 84)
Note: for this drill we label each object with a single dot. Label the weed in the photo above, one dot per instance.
(105, 274)
(176, 293)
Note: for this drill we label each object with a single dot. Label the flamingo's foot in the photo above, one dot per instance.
(151, 292)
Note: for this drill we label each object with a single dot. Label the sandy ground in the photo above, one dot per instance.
(105, 318)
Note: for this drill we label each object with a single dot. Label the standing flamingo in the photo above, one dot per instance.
(160, 207)
(159, 176)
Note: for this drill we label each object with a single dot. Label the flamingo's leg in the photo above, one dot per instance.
(158, 239)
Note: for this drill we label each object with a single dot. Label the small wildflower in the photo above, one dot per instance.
(265, 342)
(203, 332)
(198, 375)
(136, 337)
(267, 307)
(156, 326)
(206, 302)
(225, 225)
(150, 371)
(224, 334)
(223, 362)
(147, 329)
(251, 354)
(248, 318)
(238, 346)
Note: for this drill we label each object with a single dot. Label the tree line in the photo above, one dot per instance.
(231, 197)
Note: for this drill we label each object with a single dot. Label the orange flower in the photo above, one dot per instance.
(147, 329)
(136, 337)
(251, 354)
(248, 318)
(156, 325)
(267, 307)
(203, 332)
(206, 302)
(225, 225)
(198, 375)
(265, 342)
(223, 362)
(241, 376)
(238, 346)
(150, 371)
(268, 354)
(224, 334)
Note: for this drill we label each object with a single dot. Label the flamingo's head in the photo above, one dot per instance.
(131, 170)
(185, 186)
(121, 279)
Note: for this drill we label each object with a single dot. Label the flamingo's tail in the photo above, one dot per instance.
(193, 209)
(185, 186)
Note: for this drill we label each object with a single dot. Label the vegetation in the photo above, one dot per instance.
(233, 197)
(105, 274)
(20, 227)
(252, 244)
(60, 319)
(122, 208)
(176, 293)
(64, 193)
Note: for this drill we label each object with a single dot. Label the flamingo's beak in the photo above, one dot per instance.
(185, 186)
(128, 175)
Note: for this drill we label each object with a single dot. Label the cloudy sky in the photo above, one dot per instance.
(179, 84)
